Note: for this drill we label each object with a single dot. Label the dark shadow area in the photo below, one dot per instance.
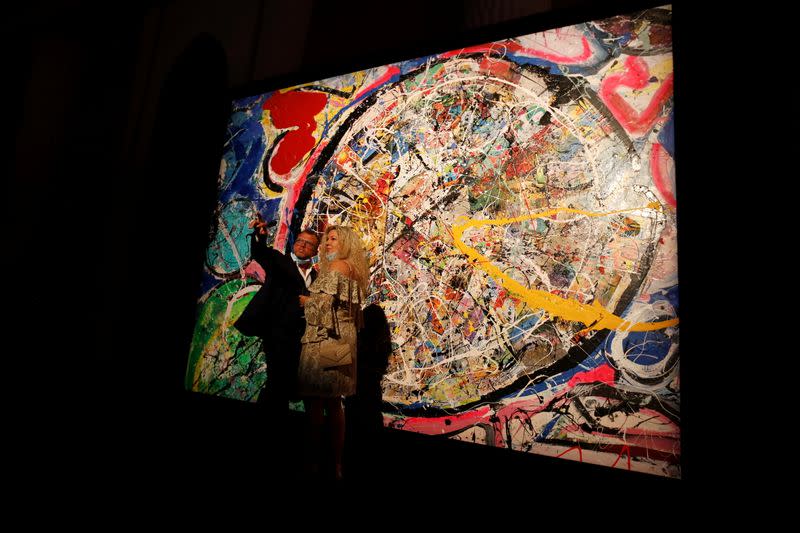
(714, 152)
(177, 197)
(363, 447)
(164, 224)
(68, 111)
(412, 460)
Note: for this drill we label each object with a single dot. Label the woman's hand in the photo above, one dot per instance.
(303, 300)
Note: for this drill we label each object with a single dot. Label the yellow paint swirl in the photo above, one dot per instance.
(593, 315)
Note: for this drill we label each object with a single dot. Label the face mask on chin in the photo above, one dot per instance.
(300, 261)
(331, 256)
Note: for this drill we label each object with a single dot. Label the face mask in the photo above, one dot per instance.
(331, 256)
(300, 261)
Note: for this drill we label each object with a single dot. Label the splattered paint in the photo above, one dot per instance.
(517, 201)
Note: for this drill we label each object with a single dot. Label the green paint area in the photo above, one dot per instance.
(426, 78)
(482, 196)
(222, 361)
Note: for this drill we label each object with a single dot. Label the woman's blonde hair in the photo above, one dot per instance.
(351, 250)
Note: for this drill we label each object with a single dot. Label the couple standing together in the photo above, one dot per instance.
(308, 324)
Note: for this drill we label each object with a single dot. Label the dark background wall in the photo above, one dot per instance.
(118, 116)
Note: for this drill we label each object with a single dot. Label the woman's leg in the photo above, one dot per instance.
(335, 408)
(314, 433)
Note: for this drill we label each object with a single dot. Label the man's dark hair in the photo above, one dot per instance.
(309, 231)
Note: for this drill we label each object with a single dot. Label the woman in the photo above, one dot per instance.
(327, 371)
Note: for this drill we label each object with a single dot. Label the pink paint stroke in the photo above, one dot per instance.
(636, 76)
(659, 159)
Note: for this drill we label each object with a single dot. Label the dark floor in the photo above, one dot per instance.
(209, 445)
(379, 457)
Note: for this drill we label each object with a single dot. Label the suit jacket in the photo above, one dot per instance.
(274, 313)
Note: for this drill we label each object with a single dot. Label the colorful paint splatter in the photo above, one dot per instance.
(518, 203)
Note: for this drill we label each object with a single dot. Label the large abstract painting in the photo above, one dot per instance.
(518, 204)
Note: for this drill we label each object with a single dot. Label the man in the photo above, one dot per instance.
(274, 314)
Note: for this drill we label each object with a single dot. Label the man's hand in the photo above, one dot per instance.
(260, 225)
(303, 300)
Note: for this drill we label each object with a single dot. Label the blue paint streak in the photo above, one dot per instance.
(412, 64)
(519, 330)
(601, 52)
(399, 146)
(670, 295)
(553, 68)
(209, 283)
(625, 38)
(245, 149)
(592, 361)
(649, 347)
(667, 135)
(249, 101)
(646, 347)
(545, 432)
(568, 152)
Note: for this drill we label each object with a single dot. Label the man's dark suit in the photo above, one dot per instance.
(274, 314)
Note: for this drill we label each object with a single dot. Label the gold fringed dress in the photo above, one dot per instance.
(333, 315)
